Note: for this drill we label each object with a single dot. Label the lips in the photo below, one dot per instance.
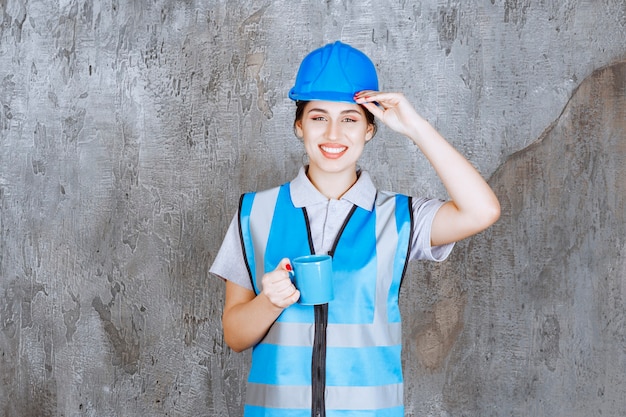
(333, 151)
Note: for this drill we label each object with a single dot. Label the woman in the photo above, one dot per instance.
(344, 357)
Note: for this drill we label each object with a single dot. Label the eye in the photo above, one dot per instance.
(318, 118)
(350, 120)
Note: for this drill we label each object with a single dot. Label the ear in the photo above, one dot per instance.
(297, 128)
(370, 132)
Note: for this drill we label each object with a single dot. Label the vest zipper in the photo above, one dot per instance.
(318, 360)
(318, 363)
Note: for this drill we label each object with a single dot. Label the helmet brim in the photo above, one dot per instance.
(323, 96)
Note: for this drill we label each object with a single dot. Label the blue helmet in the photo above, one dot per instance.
(334, 72)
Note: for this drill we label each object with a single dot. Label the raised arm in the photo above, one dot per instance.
(473, 206)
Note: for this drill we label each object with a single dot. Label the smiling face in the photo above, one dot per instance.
(334, 134)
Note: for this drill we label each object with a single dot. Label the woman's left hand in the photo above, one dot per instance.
(393, 109)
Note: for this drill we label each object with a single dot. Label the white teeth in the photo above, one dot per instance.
(333, 150)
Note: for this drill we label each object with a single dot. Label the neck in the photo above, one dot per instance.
(332, 185)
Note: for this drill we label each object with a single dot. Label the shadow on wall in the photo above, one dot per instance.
(543, 292)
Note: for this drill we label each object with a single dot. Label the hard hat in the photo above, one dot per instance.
(334, 72)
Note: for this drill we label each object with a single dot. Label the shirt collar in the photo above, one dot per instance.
(304, 193)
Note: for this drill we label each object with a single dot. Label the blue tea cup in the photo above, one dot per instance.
(313, 277)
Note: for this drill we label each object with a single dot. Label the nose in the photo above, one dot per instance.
(333, 129)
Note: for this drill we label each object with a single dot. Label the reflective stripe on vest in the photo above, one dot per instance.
(363, 355)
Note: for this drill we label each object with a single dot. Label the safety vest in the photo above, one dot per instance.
(342, 356)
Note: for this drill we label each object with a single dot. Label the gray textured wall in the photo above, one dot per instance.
(128, 130)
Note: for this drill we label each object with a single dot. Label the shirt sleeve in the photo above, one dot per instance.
(424, 211)
(229, 264)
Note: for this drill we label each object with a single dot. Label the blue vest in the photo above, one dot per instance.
(342, 358)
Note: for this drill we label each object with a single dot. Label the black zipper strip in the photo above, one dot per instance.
(318, 360)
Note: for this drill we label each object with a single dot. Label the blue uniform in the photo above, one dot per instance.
(342, 358)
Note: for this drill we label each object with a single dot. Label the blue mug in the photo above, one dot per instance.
(313, 277)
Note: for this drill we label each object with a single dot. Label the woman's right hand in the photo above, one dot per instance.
(247, 316)
(277, 286)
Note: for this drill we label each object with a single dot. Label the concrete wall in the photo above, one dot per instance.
(129, 129)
